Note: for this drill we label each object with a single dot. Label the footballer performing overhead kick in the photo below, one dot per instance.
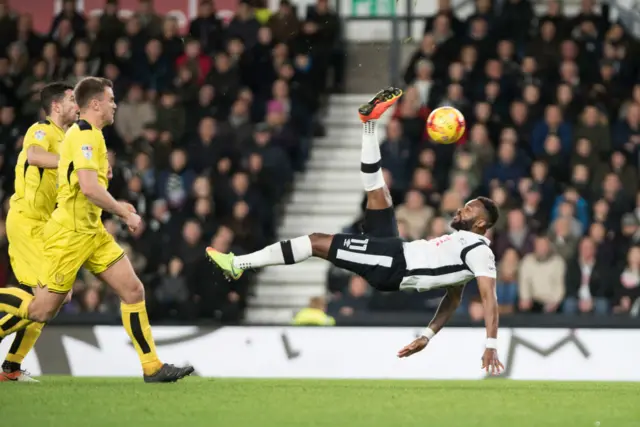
(387, 262)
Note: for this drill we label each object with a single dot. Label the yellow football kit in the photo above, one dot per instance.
(74, 236)
(32, 203)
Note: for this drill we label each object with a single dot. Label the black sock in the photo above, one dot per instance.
(10, 366)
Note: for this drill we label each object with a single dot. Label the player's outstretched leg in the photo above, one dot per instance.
(379, 218)
(122, 278)
(282, 253)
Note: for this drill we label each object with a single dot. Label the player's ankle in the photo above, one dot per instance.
(11, 366)
(151, 368)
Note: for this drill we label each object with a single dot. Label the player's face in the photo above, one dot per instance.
(69, 108)
(108, 106)
(466, 217)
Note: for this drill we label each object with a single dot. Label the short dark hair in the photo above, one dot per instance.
(89, 88)
(492, 210)
(53, 92)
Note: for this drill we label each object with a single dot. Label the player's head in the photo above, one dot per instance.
(94, 96)
(57, 100)
(478, 215)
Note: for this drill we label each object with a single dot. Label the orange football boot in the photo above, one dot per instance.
(380, 103)
(20, 375)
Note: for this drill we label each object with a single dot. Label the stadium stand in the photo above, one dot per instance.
(553, 136)
(210, 131)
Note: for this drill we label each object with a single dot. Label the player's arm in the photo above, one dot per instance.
(482, 263)
(38, 156)
(487, 287)
(448, 305)
(86, 165)
(37, 143)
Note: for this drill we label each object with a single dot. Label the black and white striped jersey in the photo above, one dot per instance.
(449, 260)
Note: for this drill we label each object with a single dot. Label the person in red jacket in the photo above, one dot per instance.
(195, 60)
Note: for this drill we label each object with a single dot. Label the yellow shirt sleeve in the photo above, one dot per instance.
(38, 134)
(85, 151)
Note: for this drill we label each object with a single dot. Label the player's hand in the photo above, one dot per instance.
(490, 362)
(133, 221)
(128, 206)
(417, 345)
(109, 173)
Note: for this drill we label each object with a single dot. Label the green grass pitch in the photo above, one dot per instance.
(194, 402)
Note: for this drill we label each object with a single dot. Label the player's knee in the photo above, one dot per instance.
(68, 297)
(42, 312)
(320, 243)
(133, 293)
(379, 198)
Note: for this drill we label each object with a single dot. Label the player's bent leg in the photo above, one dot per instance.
(379, 218)
(121, 277)
(46, 304)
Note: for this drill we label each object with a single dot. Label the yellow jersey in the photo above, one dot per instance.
(83, 147)
(35, 188)
(312, 317)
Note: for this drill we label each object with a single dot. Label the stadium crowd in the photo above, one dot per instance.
(553, 136)
(209, 131)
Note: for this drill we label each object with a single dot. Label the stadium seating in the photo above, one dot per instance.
(209, 133)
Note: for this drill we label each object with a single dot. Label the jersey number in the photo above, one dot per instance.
(357, 244)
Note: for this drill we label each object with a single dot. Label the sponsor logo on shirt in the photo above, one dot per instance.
(87, 151)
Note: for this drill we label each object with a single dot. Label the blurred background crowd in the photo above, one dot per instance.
(553, 136)
(213, 125)
(210, 128)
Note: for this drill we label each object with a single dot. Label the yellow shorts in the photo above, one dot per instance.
(66, 251)
(25, 247)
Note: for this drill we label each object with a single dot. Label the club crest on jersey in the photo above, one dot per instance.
(87, 151)
(39, 135)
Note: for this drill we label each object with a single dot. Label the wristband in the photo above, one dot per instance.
(428, 333)
(492, 343)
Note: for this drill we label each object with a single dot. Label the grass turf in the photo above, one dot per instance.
(71, 402)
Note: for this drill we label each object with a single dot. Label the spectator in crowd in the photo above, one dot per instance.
(314, 314)
(507, 283)
(354, 300)
(588, 282)
(541, 279)
(133, 114)
(627, 293)
(416, 214)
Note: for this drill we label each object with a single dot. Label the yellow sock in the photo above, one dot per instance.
(24, 342)
(10, 324)
(136, 323)
(15, 301)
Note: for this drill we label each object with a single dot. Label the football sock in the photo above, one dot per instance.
(10, 324)
(15, 301)
(370, 171)
(22, 344)
(136, 323)
(286, 252)
(10, 366)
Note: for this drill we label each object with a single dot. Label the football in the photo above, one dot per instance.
(445, 125)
